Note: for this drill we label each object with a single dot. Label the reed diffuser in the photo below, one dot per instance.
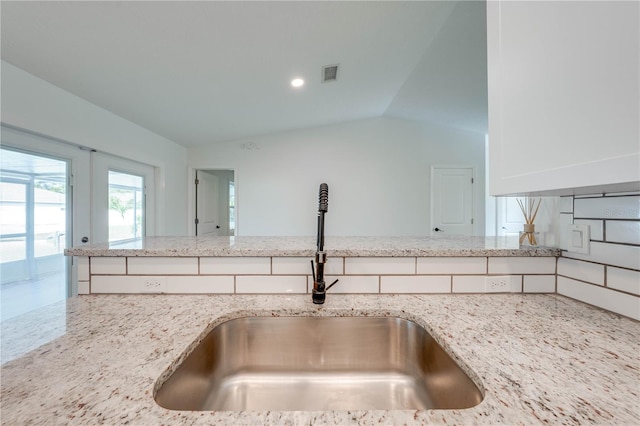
(529, 209)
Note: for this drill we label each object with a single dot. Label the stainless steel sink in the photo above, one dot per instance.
(317, 363)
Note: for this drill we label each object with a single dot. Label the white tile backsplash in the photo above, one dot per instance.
(200, 284)
(451, 265)
(109, 265)
(162, 265)
(623, 231)
(415, 284)
(271, 284)
(561, 234)
(610, 254)
(83, 268)
(302, 266)
(350, 284)
(237, 265)
(468, 284)
(566, 205)
(522, 265)
(602, 297)
(539, 284)
(84, 287)
(117, 284)
(623, 279)
(607, 208)
(584, 271)
(379, 265)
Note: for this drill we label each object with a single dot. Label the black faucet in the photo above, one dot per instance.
(319, 289)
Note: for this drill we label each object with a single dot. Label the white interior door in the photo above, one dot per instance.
(508, 216)
(207, 204)
(451, 201)
(122, 199)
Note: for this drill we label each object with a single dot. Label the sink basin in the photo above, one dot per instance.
(317, 363)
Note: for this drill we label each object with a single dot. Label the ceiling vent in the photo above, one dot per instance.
(329, 73)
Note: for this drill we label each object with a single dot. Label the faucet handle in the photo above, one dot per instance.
(331, 285)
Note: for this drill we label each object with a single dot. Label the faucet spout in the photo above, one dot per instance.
(319, 288)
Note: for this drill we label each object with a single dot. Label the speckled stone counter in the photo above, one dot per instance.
(306, 246)
(540, 359)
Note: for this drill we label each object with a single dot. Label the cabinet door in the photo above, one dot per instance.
(563, 95)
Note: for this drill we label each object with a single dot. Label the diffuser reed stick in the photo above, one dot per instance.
(529, 209)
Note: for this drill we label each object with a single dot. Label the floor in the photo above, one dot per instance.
(20, 297)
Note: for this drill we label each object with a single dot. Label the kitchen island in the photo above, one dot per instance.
(537, 358)
(280, 265)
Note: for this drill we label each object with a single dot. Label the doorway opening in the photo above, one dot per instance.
(215, 202)
(35, 201)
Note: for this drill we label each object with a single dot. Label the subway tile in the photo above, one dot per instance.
(291, 265)
(623, 231)
(563, 230)
(583, 271)
(415, 284)
(83, 268)
(350, 283)
(235, 265)
(302, 265)
(275, 284)
(566, 204)
(83, 287)
(202, 284)
(522, 265)
(610, 254)
(623, 279)
(539, 284)
(468, 284)
(116, 284)
(162, 265)
(452, 265)
(477, 284)
(108, 265)
(607, 208)
(611, 300)
(379, 265)
(596, 228)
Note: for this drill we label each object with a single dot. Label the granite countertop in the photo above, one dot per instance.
(538, 358)
(306, 246)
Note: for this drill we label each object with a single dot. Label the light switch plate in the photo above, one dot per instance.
(578, 239)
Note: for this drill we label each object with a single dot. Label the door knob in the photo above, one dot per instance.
(85, 239)
(438, 230)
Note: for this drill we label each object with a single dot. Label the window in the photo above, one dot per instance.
(126, 206)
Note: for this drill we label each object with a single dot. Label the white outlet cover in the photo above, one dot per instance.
(498, 284)
(153, 285)
(578, 239)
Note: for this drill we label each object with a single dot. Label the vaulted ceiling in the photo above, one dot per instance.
(210, 71)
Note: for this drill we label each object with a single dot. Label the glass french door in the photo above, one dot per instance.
(122, 199)
(34, 230)
(44, 208)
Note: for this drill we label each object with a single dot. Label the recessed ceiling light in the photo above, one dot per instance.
(297, 82)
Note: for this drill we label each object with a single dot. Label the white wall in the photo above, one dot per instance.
(36, 105)
(378, 172)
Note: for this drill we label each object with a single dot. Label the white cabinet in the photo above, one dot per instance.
(564, 96)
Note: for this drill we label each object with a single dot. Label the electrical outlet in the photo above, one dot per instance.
(154, 285)
(497, 284)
